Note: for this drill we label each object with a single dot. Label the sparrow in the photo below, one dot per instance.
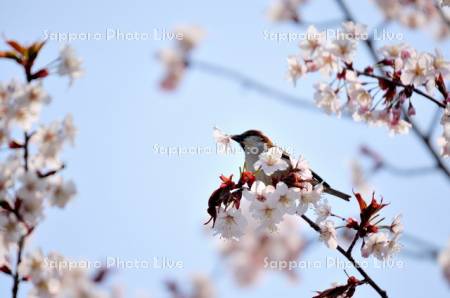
(254, 142)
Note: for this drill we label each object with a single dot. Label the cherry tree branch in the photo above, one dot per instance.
(16, 277)
(408, 172)
(348, 255)
(352, 245)
(253, 84)
(380, 163)
(268, 91)
(21, 244)
(425, 140)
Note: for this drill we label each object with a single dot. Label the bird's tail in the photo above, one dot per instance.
(337, 193)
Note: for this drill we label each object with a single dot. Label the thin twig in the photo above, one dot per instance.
(400, 84)
(21, 244)
(16, 277)
(352, 245)
(408, 172)
(349, 257)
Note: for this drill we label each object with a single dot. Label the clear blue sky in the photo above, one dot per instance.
(134, 203)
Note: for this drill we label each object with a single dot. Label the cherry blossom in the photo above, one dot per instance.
(444, 140)
(328, 234)
(295, 69)
(203, 287)
(62, 192)
(287, 197)
(326, 99)
(417, 71)
(444, 262)
(323, 211)
(271, 161)
(11, 229)
(313, 43)
(69, 64)
(376, 245)
(51, 277)
(248, 258)
(31, 186)
(3, 252)
(267, 213)
(285, 10)
(302, 167)
(175, 66)
(175, 59)
(416, 15)
(222, 139)
(310, 196)
(380, 246)
(230, 223)
(396, 225)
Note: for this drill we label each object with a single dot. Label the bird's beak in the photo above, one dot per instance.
(237, 138)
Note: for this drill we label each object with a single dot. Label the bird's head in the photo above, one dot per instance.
(253, 141)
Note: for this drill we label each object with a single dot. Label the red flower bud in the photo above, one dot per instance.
(16, 46)
(40, 74)
(372, 229)
(15, 145)
(411, 110)
(5, 269)
(352, 224)
(387, 62)
(247, 177)
(368, 70)
(5, 205)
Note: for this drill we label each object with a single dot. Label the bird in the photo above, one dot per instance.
(254, 142)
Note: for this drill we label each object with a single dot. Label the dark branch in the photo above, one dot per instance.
(349, 257)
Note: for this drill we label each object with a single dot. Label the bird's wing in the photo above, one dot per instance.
(319, 179)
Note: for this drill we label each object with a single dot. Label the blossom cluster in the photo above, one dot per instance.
(249, 257)
(444, 140)
(202, 287)
(175, 59)
(30, 170)
(51, 277)
(377, 99)
(285, 10)
(423, 14)
(278, 189)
